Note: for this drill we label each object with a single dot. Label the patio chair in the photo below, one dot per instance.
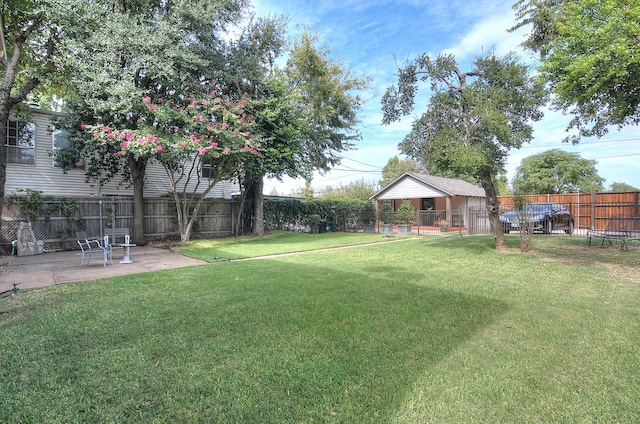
(94, 247)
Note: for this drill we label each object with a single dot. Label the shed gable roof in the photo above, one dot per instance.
(448, 186)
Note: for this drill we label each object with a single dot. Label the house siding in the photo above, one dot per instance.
(52, 181)
(43, 176)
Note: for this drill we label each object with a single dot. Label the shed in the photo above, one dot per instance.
(438, 200)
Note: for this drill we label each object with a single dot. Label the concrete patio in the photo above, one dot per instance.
(37, 271)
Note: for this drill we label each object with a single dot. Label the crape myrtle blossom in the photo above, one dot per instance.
(213, 128)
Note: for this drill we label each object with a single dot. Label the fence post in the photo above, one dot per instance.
(593, 211)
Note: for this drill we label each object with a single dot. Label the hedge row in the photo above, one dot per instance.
(298, 215)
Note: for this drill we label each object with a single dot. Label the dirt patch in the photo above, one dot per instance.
(616, 262)
(4, 262)
(619, 271)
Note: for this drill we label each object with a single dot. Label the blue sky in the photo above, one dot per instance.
(371, 36)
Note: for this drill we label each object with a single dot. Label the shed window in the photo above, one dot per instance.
(21, 142)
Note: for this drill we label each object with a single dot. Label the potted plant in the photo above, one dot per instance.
(444, 227)
(405, 217)
(368, 217)
(387, 217)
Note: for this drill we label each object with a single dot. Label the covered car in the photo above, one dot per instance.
(544, 217)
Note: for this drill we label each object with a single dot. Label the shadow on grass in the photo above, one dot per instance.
(244, 342)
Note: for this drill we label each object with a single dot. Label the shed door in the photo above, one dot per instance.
(427, 213)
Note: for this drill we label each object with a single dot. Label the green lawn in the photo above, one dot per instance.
(277, 243)
(423, 330)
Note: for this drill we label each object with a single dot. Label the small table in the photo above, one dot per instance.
(127, 258)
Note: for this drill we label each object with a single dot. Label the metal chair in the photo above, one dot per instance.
(92, 247)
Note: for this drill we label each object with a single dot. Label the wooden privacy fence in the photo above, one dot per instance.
(57, 228)
(589, 210)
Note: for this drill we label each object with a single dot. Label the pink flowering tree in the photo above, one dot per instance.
(200, 142)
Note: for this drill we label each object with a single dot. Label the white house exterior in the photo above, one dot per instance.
(30, 165)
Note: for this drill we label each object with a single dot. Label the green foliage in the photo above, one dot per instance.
(356, 190)
(396, 167)
(326, 95)
(556, 171)
(197, 129)
(314, 223)
(622, 187)
(502, 185)
(37, 67)
(307, 190)
(590, 59)
(306, 115)
(368, 212)
(29, 200)
(406, 213)
(386, 214)
(472, 121)
(31, 204)
(473, 118)
(293, 213)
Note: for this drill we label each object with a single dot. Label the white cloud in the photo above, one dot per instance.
(489, 35)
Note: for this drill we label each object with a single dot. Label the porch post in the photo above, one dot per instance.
(448, 206)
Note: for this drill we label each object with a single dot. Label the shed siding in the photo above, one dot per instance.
(409, 189)
(466, 202)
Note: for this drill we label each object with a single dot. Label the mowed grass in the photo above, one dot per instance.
(276, 243)
(427, 330)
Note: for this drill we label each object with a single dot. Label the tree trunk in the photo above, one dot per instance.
(238, 222)
(6, 104)
(185, 234)
(137, 168)
(3, 163)
(258, 207)
(189, 217)
(493, 208)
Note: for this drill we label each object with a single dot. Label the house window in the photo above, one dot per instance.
(60, 141)
(205, 172)
(21, 142)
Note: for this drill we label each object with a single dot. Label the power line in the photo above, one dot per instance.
(362, 163)
(355, 170)
(585, 143)
(618, 156)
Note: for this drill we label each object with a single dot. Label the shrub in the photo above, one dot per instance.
(368, 213)
(406, 212)
(385, 214)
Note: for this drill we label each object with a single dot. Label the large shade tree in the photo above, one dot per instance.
(472, 119)
(137, 49)
(355, 190)
(396, 167)
(590, 54)
(308, 116)
(620, 187)
(556, 171)
(30, 57)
